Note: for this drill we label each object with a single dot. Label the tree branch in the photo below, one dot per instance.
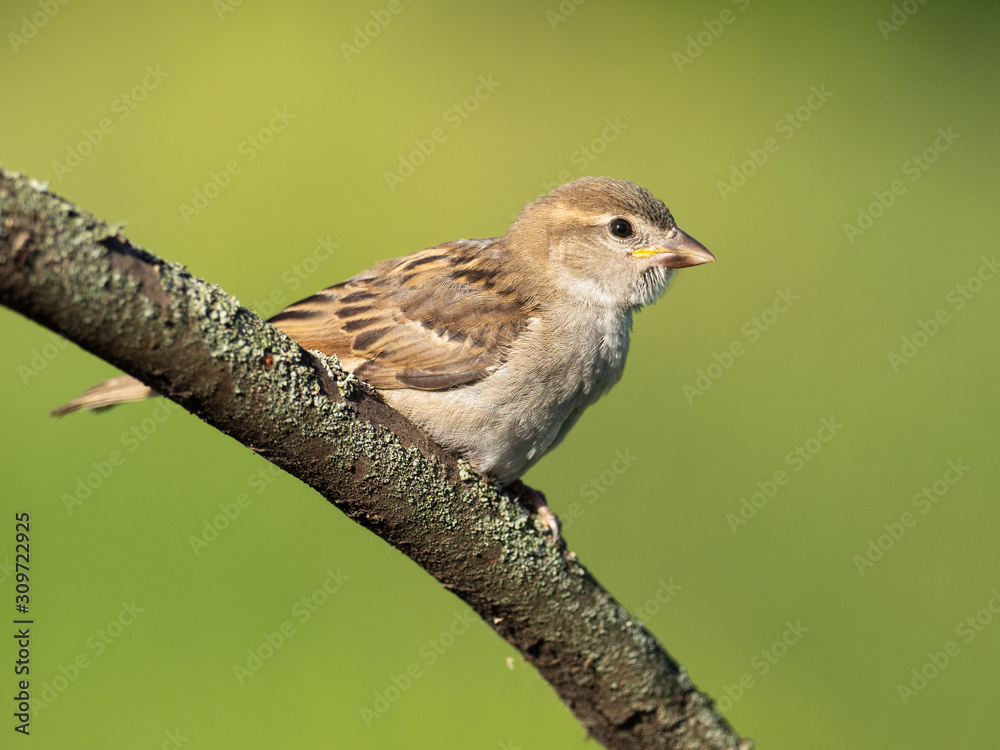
(195, 344)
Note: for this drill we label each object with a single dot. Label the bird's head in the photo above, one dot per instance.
(608, 241)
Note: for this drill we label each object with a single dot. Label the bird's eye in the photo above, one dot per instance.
(620, 228)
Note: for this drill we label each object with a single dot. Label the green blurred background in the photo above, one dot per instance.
(790, 614)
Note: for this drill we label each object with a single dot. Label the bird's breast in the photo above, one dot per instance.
(507, 421)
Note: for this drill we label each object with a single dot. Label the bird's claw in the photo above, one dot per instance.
(535, 501)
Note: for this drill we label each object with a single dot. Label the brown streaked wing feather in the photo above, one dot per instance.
(433, 320)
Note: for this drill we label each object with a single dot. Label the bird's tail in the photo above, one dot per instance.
(118, 390)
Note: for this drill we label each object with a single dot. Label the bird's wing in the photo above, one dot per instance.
(433, 320)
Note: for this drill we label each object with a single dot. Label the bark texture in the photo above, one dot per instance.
(195, 344)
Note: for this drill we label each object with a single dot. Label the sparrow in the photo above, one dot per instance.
(495, 347)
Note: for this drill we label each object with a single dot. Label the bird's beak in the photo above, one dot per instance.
(680, 250)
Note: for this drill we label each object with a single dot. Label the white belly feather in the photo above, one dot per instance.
(505, 423)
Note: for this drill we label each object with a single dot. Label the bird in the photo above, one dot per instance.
(495, 347)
